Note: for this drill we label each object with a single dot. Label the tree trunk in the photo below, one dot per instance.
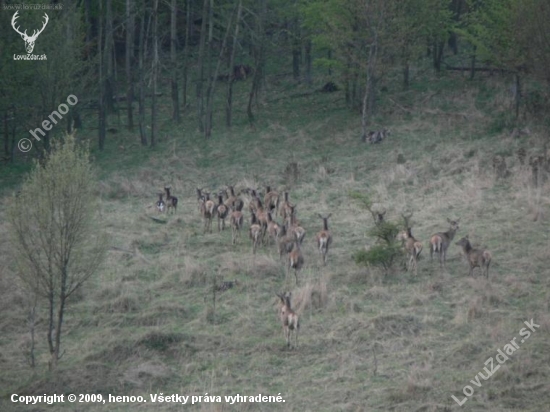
(141, 98)
(439, 46)
(260, 60)
(174, 62)
(62, 299)
(186, 51)
(406, 75)
(296, 52)
(229, 107)
(308, 61)
(129, 61)
(473, 65)
(368, 99)
(155, 74)
(6, 136)
(108, 58)
(212, 80)
(102, 115)
(517, 100)
(200, 64)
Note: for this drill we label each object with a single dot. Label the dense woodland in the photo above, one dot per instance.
(119, 57)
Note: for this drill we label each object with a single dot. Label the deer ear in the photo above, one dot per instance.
(329, 215)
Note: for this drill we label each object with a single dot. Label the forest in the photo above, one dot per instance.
(275, 205)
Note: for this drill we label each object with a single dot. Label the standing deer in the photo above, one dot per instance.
(439, 243)
(223, 211)
(171, 201)
(477, 258)
(236, 219)
(289, 319)
(295, 259)
(255, 232)
(208, 210)
(324, 238)
(161, 206)
(412, 246)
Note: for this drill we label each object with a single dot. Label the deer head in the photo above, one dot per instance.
(29, 40)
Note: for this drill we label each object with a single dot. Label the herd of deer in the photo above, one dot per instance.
(288, 237)
(439, 243)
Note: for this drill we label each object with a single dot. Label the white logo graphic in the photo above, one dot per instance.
(29, 40)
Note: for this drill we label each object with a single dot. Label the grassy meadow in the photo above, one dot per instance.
(369, 341)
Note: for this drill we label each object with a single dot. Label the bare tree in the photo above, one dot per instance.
(174, 62)
(201, 67)
(129, 61)
(57, 242)
(229, 107)
(155, 73)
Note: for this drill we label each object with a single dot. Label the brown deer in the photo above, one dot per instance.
(208, 210)
(295, 259)
(289, 319)
(411, 245)
(439, 243)
(271, 200)
(477, 258)
(171, 201)
(293, 226)
(255, 232)
(236, 220)
(233, 201)
(285, 242)
(324, 238)
(222, 212)
(413, 248)
(274, 230)
(284, 209)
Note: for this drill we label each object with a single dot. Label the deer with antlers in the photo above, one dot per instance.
(289, 318)
(29, 40)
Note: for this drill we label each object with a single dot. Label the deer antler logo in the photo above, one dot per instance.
(29, 40)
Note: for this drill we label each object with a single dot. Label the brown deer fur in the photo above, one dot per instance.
(295, 259)
(293, 226)
(413, 248)
(284, 209)
(289, 319)
(223, 211)
(271, 200)
(439, 242)
(171, 201)
(236, 220)
(324, 238)
(234, 202)
(208, 210)
(477, 258)
(255, 232)
(274, 230)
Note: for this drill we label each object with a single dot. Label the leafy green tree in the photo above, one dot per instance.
(57, 242)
